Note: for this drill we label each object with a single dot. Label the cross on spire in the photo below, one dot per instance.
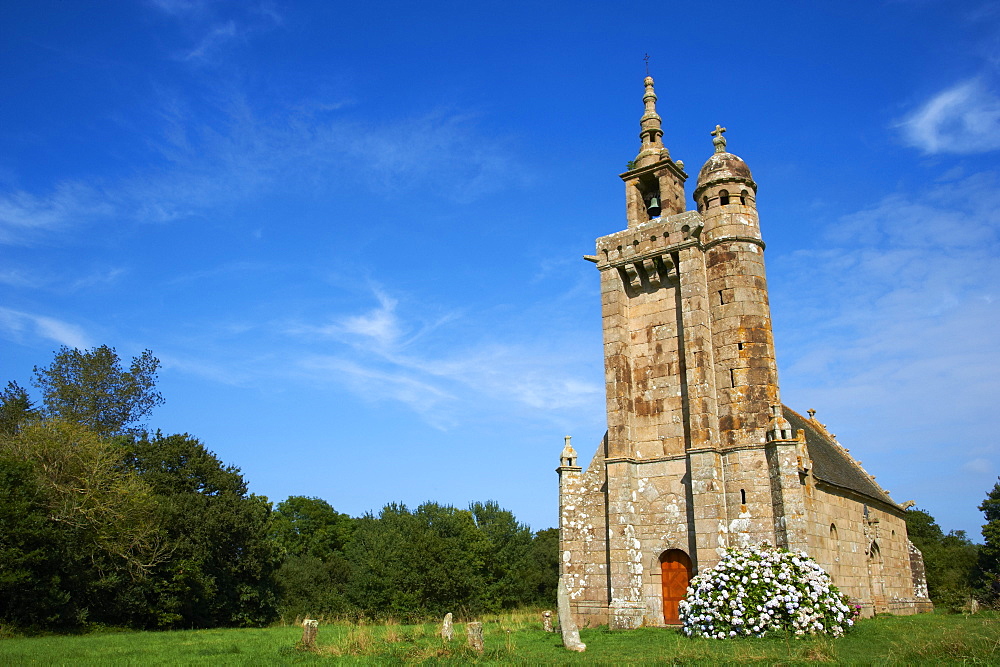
(646, 58)
(718, 139)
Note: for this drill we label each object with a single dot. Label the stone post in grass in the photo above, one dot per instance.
(547, 621)
(474, 633)
(310, 628)
(446, 628)
(570, 635)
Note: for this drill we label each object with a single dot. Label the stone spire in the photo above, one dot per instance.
(651, 134)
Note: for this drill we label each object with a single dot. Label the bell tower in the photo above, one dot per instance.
(661, 450)
(654, 184)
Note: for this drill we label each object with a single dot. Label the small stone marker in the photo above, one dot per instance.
(547, 621)
(474, 633)
(570, 635)
(446, 629)
(310, 628)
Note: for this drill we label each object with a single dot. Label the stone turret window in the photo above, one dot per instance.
(705, 201)
(743, 197)
(724, 197)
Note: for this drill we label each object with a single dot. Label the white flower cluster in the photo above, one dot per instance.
(759, 589)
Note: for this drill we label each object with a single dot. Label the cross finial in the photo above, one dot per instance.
(646, 58)
(718, 139)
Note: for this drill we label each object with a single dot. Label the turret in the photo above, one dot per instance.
(746, 373)
(726, 194)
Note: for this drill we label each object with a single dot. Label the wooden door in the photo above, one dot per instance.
(675, 573)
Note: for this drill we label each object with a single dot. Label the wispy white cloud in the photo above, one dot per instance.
(964, 118)
(18, 325)
(379, 325)
(20, 278)
(215, 26)
(61, 280)
(27, 218)
(211, 42)
(230, 157)
(396, 385)
(180, 7)
(227, 372)
(98, 278)
(379, 347)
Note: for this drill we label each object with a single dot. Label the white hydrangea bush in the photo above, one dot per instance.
(761, 589)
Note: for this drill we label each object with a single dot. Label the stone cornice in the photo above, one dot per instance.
(896, 510)
(656, 166)
(649, 254)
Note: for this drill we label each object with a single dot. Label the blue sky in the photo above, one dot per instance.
(353, 233)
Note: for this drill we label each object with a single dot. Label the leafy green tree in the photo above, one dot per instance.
(88, 490)
(448, 557)
(989, 553)
(949, 559)
(16, 407)
(544, 572)
(310, 526)
(222, 555)
(94, 522)
(313, 577)
(380, 552)
(90, 387)
(311, 587)
(417, 564)
(507, 566)
(33, 577)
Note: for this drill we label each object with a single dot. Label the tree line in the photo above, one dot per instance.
(104, 522)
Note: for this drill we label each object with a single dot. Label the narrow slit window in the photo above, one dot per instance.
(739, 346)
(722, 299)
(724, 197)
(732, 377)
(743, 496)
(743, 197)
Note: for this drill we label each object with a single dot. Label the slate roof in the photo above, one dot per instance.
(831, 463)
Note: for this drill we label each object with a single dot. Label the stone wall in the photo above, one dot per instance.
(583, 561)
(864, 546)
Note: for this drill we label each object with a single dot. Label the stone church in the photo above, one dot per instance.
(700, 454)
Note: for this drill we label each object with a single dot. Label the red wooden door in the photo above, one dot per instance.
(675, 573)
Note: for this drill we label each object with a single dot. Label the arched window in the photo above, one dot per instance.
(743, 197)
(723, 197)
(705, 201)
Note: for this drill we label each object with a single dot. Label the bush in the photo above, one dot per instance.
(761, 589)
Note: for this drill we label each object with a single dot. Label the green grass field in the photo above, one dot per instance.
(518, 639)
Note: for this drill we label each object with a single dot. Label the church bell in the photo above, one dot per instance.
(654, 206)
